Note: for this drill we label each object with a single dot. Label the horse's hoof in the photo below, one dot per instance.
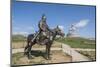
(48, 58)
(25, 53)
(50, 53)
(30, 57)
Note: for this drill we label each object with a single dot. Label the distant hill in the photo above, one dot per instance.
(18, 37)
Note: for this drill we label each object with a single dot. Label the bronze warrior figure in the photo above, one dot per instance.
(44, 36)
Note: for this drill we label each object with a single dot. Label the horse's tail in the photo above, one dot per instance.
(24, 45)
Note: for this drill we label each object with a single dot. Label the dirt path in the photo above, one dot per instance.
(22, 49)
(38, 58)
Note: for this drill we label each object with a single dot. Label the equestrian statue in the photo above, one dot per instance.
(45, 36)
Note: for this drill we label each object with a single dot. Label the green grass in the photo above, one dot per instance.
(15, 57)
(89, 54)
(78, 42)
(18, 38)
(75, 42)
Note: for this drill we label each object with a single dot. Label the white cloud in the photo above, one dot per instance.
(20, 33)
(82, 23)
(23, 30)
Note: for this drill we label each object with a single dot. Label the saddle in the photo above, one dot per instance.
(42, 37)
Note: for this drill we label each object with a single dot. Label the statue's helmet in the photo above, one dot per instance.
(72, 25)
(43, 16)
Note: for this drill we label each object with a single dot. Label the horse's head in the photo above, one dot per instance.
(59, 31)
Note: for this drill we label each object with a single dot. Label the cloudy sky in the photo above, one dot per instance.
(26, 15)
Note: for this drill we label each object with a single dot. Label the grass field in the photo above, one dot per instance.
(78, 42)
(89, 54)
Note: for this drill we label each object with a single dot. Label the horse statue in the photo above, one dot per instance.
(42, 40)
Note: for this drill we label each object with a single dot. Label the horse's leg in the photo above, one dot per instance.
(48, 52)
(29, 50)
(26, 47)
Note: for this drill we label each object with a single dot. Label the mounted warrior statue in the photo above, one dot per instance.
(44, 36)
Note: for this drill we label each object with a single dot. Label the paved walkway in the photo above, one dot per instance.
(75, 55)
